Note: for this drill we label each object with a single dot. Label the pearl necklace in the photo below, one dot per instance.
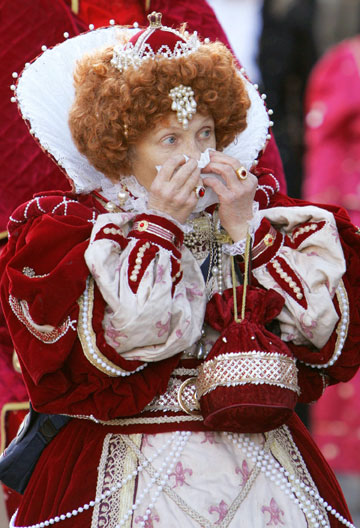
(179, 439)
(289, 484)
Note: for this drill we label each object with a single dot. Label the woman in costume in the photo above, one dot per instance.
(116, 294)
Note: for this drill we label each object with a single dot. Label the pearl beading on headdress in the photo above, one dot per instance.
(183, 103)
(132, 55)
(125, 56)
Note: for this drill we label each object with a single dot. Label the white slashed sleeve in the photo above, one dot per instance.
(154, 292)
(299, 254)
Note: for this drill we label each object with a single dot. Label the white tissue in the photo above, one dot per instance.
(210, 197)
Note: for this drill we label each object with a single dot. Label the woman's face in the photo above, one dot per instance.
(169, 138)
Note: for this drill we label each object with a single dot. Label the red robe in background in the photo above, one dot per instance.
(332, 175)
(26, 25)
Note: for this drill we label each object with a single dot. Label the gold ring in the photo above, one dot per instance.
(241, 173)
(181, 400)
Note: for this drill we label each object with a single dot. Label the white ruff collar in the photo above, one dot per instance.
(45, 94)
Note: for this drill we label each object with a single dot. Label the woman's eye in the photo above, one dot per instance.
(206, 133)
(170, 140)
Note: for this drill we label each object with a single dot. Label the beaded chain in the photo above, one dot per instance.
(179, 439)
(287, 482)
(217, 268)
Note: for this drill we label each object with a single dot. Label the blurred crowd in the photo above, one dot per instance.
(304, 55)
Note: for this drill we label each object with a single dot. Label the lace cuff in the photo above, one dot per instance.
(238, 248)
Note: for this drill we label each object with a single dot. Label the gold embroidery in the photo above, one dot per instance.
(287, 454)
(140, 420)
(168, 401)
(116, 463)
(247, 367)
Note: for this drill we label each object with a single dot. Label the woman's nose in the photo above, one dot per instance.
(193, 150)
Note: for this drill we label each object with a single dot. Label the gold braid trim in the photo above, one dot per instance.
(117, 462)
(240, 368)
(139, 420)
(8, 407)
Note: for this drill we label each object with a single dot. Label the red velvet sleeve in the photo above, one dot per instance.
(43, 279)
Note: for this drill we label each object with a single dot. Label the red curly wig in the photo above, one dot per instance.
(112, 109)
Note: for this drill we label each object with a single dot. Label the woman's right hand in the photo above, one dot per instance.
(173, 189)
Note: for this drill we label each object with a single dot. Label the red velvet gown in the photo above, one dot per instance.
(124, 410)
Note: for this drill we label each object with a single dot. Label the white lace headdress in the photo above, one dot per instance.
(45, 94)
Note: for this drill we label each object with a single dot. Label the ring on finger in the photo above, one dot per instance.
(241, 173)
(199, 191)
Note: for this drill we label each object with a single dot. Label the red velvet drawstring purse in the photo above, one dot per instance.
(248, 382)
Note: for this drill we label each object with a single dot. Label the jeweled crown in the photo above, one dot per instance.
(154, 41)
(155, 19)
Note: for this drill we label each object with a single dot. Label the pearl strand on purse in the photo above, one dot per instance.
(273, 470)
(179, 438)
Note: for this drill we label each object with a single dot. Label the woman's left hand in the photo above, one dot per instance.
(236, 196)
